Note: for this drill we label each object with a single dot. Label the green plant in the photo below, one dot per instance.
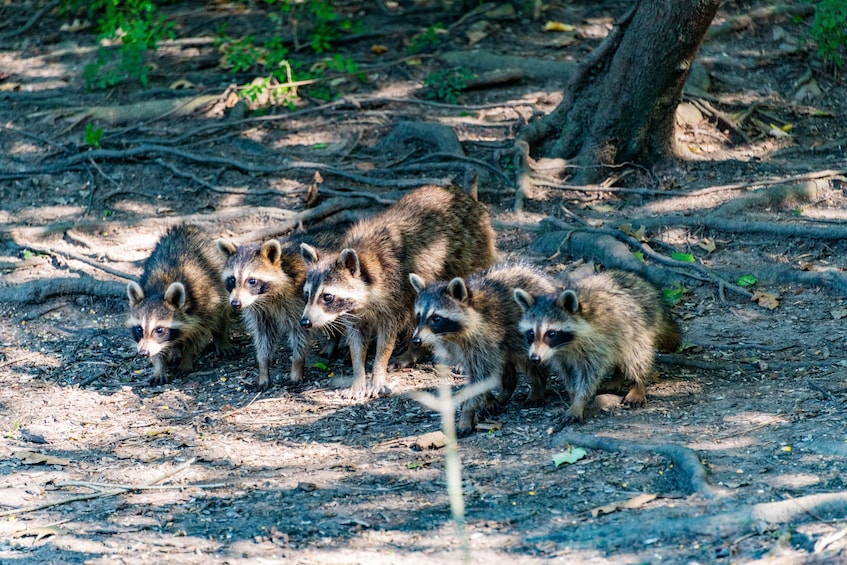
(93, 135)
(427, 39)
(829, 30)
(446, 85)
(127, 30)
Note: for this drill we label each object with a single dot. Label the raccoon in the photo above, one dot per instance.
(606, 325)
(436, 232)
(265, 285)
(179, 304)
(475, 324)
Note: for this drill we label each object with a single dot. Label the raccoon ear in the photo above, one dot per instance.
(524, 299)
(226, 247)
(349, 259)
(457, 289)
(309, 253)
(417, 282)
(175, 295)
(135, 293)
(271, 250)
(568, 302)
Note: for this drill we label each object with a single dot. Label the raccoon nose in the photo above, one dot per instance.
(306, 322)
(416, 340)
(535, 358)
(143, 353)
(235, 304)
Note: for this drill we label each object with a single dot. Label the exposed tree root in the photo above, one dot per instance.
(744, 21)
(541, 70)
(38, 291)
(748, 519)
(740, 226)
(693, 477)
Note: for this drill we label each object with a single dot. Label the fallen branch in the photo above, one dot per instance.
(101, 486)
(686, 461)
(36, 17)
(100, 494)
(731, 524)
(39, 291)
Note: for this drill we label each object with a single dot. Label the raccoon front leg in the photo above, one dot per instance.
(385, 341)
(638, 366)
(582, 387)
(298, 341)
(467, 417)
(509, 382)
(358, 350)
(537, 386)
(160, 375)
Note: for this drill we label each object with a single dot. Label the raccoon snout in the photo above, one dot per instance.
(535, 358)
(306, 322)
(143, 353)
(236, 304)
(416, 340)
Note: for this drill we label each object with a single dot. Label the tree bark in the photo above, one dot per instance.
(619, 107)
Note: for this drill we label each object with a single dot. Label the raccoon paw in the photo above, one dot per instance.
(260, 386)
(634, 399)
(158, 380)
(464, 432)
(570, 418)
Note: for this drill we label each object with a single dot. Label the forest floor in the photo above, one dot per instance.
(98, 467)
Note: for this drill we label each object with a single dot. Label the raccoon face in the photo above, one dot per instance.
(153, 328)
(333, 289)
(547, 327)
(438, 310)
(252, 272)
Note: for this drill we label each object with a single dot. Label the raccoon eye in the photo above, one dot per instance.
(137, 333)
(436, 319)
(327, 298)
(160, 330)
(230, 284)
(551, 334)
(252, 281)
(530, 336)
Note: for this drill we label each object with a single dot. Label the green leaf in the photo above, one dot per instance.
(321, 366)
(684, 257)
(28, 254)
(673, 296)
(320, 145)
(571, 455)
(639, 255)
(747, 280)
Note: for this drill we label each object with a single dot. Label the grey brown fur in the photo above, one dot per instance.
(179, 305)
(475, 324)
(265, 285)
(436, 232)
(604, 326)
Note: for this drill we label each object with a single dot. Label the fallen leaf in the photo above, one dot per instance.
(432, 440)
(28, 457)
(639, 234)
(41, 532)
(806, 266)
(765, 299)
(558, 26)
(684, 257)
(747, 280)
(181, 83)
(631, 504)
(379, 49)
(839, 313)
(477, 32)
(365, 166)
(571, 455)
(707, 244)
(488, 426)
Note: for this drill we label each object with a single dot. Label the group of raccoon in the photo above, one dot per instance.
(423, 267)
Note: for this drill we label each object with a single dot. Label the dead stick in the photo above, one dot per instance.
(100, 494)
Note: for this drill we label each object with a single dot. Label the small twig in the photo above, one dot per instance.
(99, 494)
(101, 486)
(47, 8)
(20, 359)
(245, 407)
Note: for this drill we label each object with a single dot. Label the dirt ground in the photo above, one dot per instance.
(298, 474)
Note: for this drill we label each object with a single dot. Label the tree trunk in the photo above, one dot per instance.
(619, 106)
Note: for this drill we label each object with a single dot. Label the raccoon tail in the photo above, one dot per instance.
(669, 336)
